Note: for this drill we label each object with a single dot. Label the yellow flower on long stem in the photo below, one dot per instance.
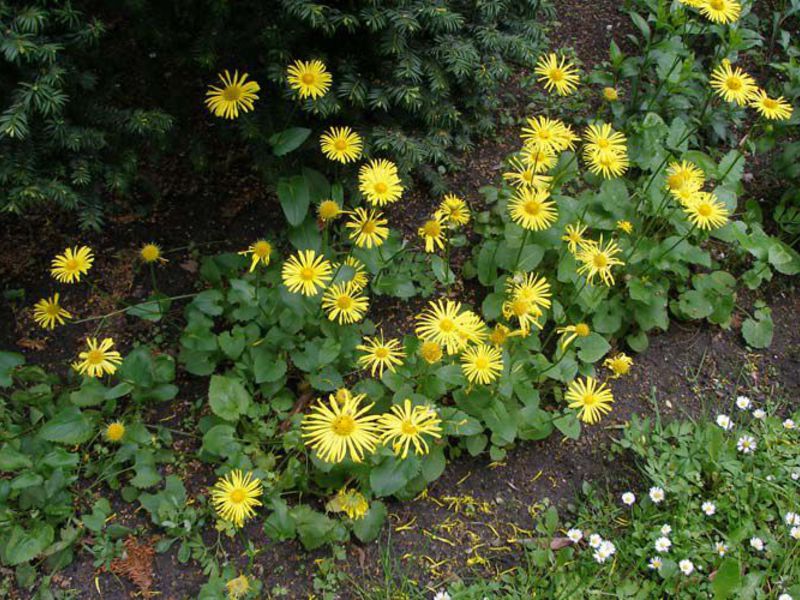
(537, 158)
(733, 84)
(571, 332)
(328, 210)
(591, 400)
(548, 135)
(442, 323)
(309, 79)
(98, 359)
(432, 231)
(259, 252)
(573, 235)
(602, 137)
(684, 174)
(561, 76)
(721, 11)
(380, 354)
(235, 497)
(597, 259)
(351, 502)
(345, 302)
(531, 288)
(150, 253)
(482, 364)
(48, 313)
(405, 426)
(307, 273)
(775, 109)
(238, 587)
(705, 211)
(620, 364)
(531, 209)
(525, 175)
(453, 210)
(525, 311)
(115, 431)
(368, 227)
(74, 262)
(341, 144)
(235, 94)
(341, 428)
(379, 182)
(608, 163)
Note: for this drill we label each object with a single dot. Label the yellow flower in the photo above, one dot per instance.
(309, 79)
(625, 226)
(150, 253)
(341, 428)
(433, 234)
(431, 352)
(406, 425)
(379, 182)
(571, 332)
(608, 163)
(721, 11)
(115, 431)
(539, 159)
(706, 211)
(733, 85)
(527, 313)
(482, 364)
(260, 252)
(775, 109)
(359, 277)
(237, 587)
(380, 354)
(442, 322)
(620, 364)
(472, 329)
(531, 288)
(531, 209)
(453, 210)
(548, 135)
(345, 303)
(235, 94)
(341, 144)
(573, 235)
(48, 313)
(368, 227)
(307, 273)
(525, 175)
(593, 401)
(610, 94)
(98, 359)
(686, 195)
(559, 75)
(350, 502)
(500, 334)
(684, 174)
(597, 259)
(328, 210)
(693, 3)
(235, 497)
(602, 137)
(74, 262)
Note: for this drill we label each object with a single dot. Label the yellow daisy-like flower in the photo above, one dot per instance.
(721, 11)
(482, 364)
(442, 322)
(531, 288)
(561, 76)
(693, 3)
(405, 426)
(548, 135)
(733, 84)
(619, 364)
(48, 313)
(684, 174)
(368, 227)
(431, 352)
(453, 210)
(74, 262)
(539, 159)
(433, 234)
(602, 137)
(592, 400)
(98, 359)
(597, 260)
(525, 311)
(307, 273)
(309, 79)
(608, 163)
(341, 428)
(500, 334)
(150, 253)
(610, 94)
(472, 329)
(686, 195)
(235, 94)
(115, 431)
(259, 252)
(328, 210)
(571, 332)
(525, 175)
(706, 211)
(345, 302)
(238, 587)
(532, 210)
(359, 277)
(379, 182)
(235, 497)
(573, 235)
(351, 502)
(380, 354)
(341, 144)
(775, 109)
(625, 226)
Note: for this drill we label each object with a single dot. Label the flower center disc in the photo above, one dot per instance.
(368, 227)
(232, 93)
(307, 78)
(344, 302)
(343, 425)
(340, 145)
(481, 363)
(237, 495)
(381, 353)
(95, 357)
(408, 428)
(307, 273)
(532, 207)
(381, 188)
(600, 261)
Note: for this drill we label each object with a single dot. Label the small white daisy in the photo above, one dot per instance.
(791, 518)
(789, 424)
(743, 402)
(656, 494)
(662, 545)
(628, 498)
(785, 597)
(760, 414)
(443, 595)
(575, 535)
(721, 548)
(665, 529)
(608, 547)
(595, 540)
(686, 566)
(746, 444)
(655, 563)
(795, 532)
(795, 475)
(709, 508)
(725, 422)
(756, 543)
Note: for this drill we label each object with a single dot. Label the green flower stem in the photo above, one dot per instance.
(153, 278)
(447, 266)
(667, 251)
(127, 308)
(521, 247)
(565, 170)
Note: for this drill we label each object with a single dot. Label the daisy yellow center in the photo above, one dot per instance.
(408, 428)
(770, 103)
(368, 227)
(603, 143)
(343, 425)
(432, 229)
(344, 302)
(675, 181)
(237, 496)
(481, 363)
(600, 261)
(544, 135)
(582, 329)
(95, 357)
(307, 273)
(704, 209)
(381, 188)
(340, 144)
(71, 265)
(717, 4)
(557, 74)
(232, 93)
(733, 83)
(307, 78)
(589, 399)
(532, 207)
(575, 237)
(262, 249)
(447, 325)
(381, 353)
(52, 309)
(520, 307)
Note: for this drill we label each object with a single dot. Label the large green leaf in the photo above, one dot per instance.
(293, 194)
(23, 545)
(287, 140)
(8, 362)
(228, 397)
(68, 426)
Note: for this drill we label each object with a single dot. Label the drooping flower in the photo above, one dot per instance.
(115, 431)
(307, 273)
(345, 303)
(571, 332)
(380, 354)
(236, 94)
(341, 428)
(48, 313)
(408, 425)
(559, 75)
(597, 260)
(620, 364)
(309, 79)
(259, 252)
(368, 227)
(733, 84)
(531, 209)
(379, 182)
(98, 359)
(150, 253)
(721, 11)
(453, 210)
(341, 144)
(328, 210)
(573, 235)
(706, 211)
(351, 502)
(74, 262)
(775, 109)
(591, 400)
(235, 496)
(432, 231)
(482, 363)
